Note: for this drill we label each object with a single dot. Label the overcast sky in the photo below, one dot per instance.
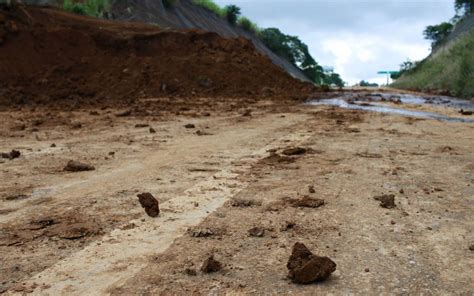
(356, 37)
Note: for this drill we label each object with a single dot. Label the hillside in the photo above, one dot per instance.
(449, 69)
(184, 14)
(48, 55)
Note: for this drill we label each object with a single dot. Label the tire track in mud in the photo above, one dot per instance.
(119, 255)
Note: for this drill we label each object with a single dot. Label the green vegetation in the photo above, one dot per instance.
(465, 7)
(451, 68)
(94, 8)
(364, 83)
(438, 33)
(292, 49)
(212, 6)
(232, 13)
(247, 25)
(168, 3)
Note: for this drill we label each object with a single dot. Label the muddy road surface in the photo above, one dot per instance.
(388, 198)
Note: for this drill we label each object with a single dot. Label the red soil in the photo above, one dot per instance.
(49, 56)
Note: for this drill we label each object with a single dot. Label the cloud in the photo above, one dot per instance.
(357, 37)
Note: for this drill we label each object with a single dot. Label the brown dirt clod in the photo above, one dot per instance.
(307, 202)
(76, 166)
(211, 265)
(257, 232)
(11, 155)
(386, 201)
(294, 151)
(150, 204)
(305, 268)
(244, 202)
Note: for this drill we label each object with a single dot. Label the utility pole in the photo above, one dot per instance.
(388, 73)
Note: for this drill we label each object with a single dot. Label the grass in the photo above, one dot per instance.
(212, 6)
(94, 8)
(247, 25)
(451, 68)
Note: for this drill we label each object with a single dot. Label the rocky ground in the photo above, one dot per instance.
(242, 186)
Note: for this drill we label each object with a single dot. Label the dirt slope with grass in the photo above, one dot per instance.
(449, 70)
(47, 55)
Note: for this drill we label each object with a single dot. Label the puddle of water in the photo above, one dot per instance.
(378, 107)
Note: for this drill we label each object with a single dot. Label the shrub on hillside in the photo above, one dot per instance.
(95, 8)
(232, 13)
(247, 25)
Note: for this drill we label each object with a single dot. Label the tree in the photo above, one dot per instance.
(292, 49)
(335, 79)
(232, 13)
(464, 7)
(438, 33)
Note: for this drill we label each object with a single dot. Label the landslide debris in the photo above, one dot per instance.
(76, 166)
(294, 151)
(150, 204)
(386, 201)
(11, 155)
(211, 265)
(49, 56)
(305, 268)
(306, 202)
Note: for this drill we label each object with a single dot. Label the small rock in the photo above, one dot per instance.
(465, 112)
(190, 272)
(190, 125)
(206, 232)
(206, 114)
(311, 189)
(304, 267)
(386, 201)
(367, 270)
(150, 204)
(257, 232)
(471, 247)
(247, 113)
(288, 225)
(294, 151)
(75, 166)
(201, 133)
(141, 125)
(53, 145)
(211, 265)
(76, 125)
(152, 130)
(17, 197)
(244, 202)
(307, 202)
(124, 113)
(11, 155)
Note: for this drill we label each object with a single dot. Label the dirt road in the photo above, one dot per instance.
(85, 233)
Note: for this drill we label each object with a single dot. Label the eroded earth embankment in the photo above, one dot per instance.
(47, 55)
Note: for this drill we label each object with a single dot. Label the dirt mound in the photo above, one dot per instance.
(49, 56)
